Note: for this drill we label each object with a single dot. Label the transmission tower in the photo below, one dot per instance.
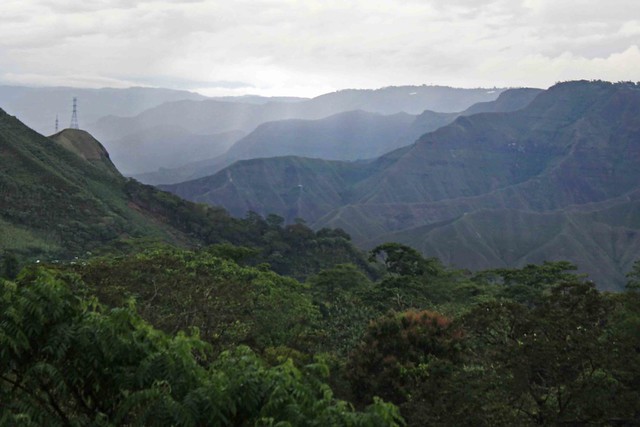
(56, 123)
(74, 115)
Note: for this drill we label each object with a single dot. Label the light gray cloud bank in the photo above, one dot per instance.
(307, 47)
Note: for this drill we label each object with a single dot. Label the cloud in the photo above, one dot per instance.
(71, 80)
(304, 47)
(620, 66)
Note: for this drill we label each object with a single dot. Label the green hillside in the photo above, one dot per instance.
(62, 203)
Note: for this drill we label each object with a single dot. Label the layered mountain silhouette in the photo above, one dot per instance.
(352, 135)
(221, 115)
(212, 116)
(146, 129)
(557, 179)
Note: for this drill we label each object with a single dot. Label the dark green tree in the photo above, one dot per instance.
(633, 283)
(176, 289)
(404, 261)
(551, 363)
(531, 283)
(10, 266)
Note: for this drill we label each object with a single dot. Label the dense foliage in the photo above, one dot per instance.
(67, 360)
(229, 304)
(167, 336)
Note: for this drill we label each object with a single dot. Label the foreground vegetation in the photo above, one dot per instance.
(169, 336)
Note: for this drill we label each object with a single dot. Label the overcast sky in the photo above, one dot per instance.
(285, 47)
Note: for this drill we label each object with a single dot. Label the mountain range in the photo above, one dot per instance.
(210, 116)
(530, 176)
(147, 129)
(213, 116)
(352, 135)
(557, 179)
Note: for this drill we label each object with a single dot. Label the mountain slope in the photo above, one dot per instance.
(579, 139)
(345, 136)
(61, 197)
(526, 180)
(575, 145)
(293, 187)
(350, 135)
(507, 101)
(429, 121)
(602, 246)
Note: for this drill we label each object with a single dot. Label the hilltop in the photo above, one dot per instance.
(86, 147)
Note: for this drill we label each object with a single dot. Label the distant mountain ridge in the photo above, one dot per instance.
(484, 190)
(214, 116)
(351, 135)
(37, 107)
(219, 115)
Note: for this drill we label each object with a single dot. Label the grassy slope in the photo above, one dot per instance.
(64, 202)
